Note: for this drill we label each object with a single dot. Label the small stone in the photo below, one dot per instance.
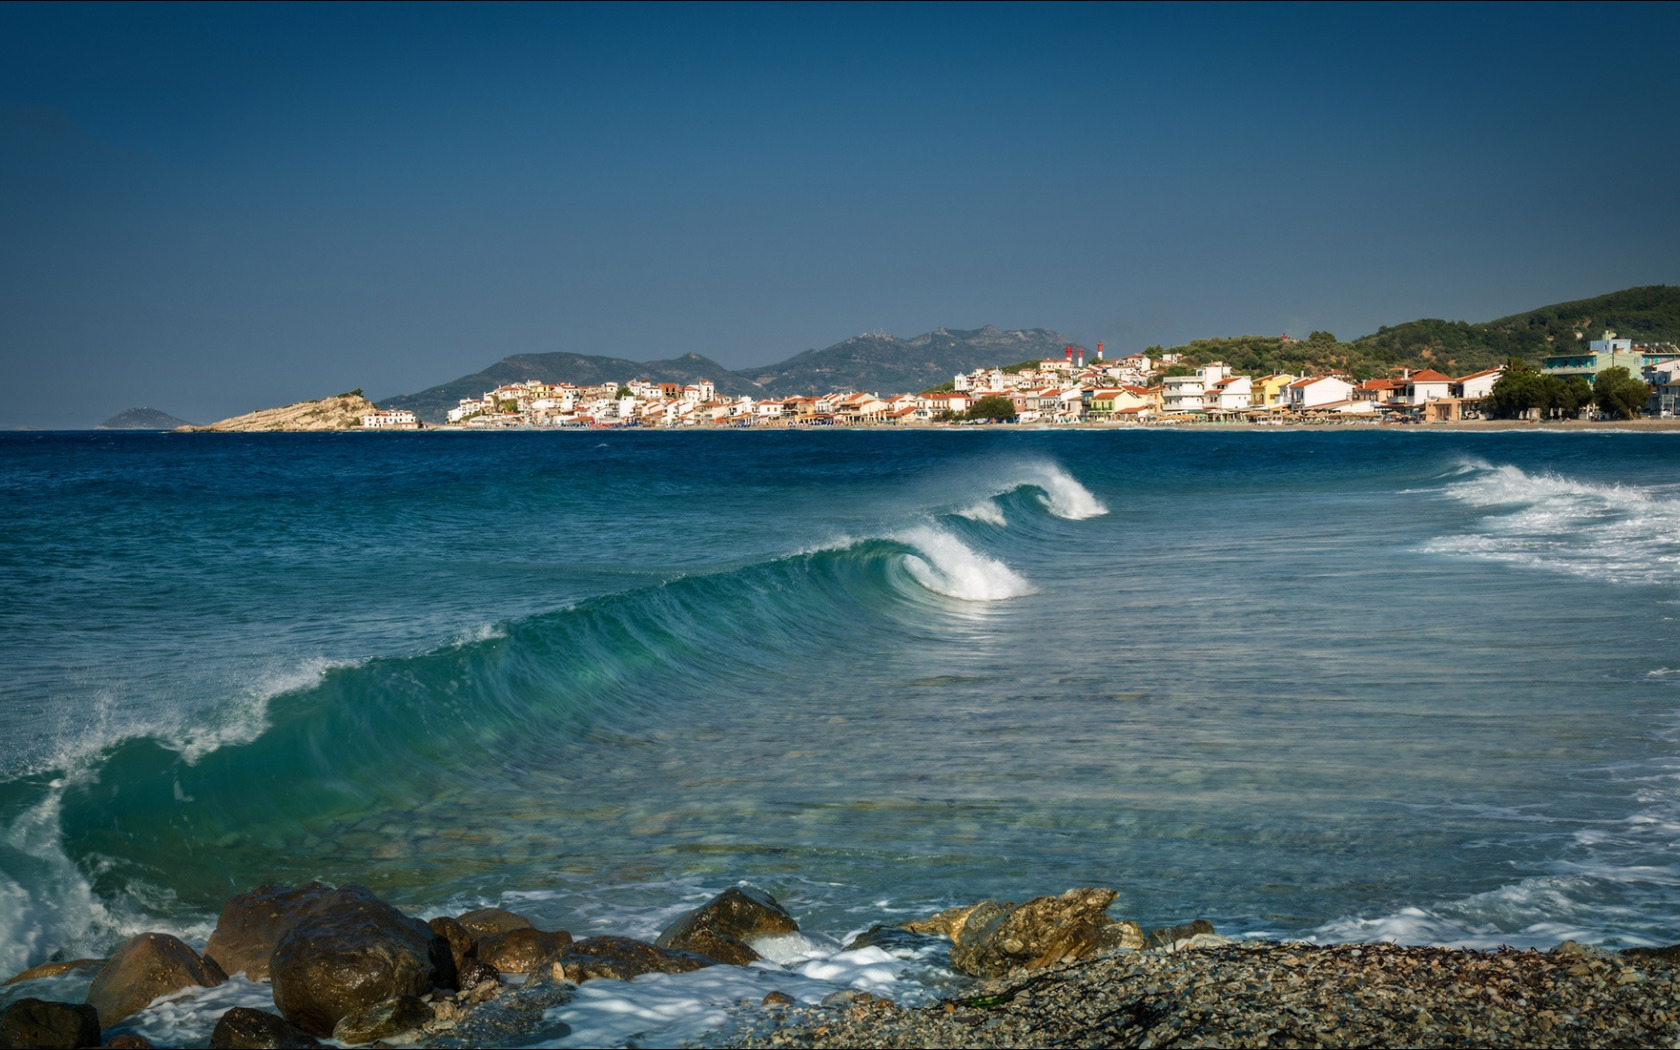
(243, 1028)
(777, 999)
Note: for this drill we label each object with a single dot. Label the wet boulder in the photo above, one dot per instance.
(891, 939)
(251, 924)
(722, 926)
(485, 922)
(1125, 934)
(350, 953)
(520, 950)
(31, 1023)
(144, 968)
(621, 958)
(383, 1020)
(997, 939)
(55, 969)
(1174, 937)
(463, 947)
(243, 1028)
(948, 924)
(477, 972)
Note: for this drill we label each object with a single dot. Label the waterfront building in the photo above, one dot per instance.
(1609, 352)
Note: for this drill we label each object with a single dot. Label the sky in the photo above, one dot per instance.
(209, 209)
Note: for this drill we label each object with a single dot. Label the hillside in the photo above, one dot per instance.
(142, 419)
(340, 412)
(433, 404)
(1455, 347)
(886, 364)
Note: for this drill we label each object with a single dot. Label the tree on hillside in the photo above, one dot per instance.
(1620, 394)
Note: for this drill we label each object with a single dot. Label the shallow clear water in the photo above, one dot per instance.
(1338, 685)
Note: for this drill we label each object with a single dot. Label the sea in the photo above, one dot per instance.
(1328, 684)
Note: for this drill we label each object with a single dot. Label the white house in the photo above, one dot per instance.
(398, 419)
(1425, 386)
(1318, 392)
(1477, 385)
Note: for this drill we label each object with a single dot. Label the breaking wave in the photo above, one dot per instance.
(1615, 532)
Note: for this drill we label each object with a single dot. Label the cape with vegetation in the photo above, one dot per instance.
(1649, 313)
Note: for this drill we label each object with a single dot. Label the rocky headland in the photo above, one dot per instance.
(339, 412)
(1053, 971)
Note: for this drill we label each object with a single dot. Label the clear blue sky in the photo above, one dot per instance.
(209, 209)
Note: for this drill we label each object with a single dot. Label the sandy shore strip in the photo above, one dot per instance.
(1265, 994)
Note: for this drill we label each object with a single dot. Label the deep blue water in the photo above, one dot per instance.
(1339, 685)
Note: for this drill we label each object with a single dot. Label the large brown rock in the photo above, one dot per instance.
(721, 927)
(146, 967)
(622, 958)
(251, 925)
(519, 951)
(351, 952)
(32, 1023)
(997, 939)
(243, 1028)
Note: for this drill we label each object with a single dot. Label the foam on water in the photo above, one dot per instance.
(986, 510)
(1619, 533)
(945, 564)
(1531, 913)
(671, 1009)
(1067, 498)
(46, 904)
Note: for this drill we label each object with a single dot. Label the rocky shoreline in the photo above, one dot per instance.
(1053, 971)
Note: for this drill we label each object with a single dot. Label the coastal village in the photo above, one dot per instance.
(1132, 390)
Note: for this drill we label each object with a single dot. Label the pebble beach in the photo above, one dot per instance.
(1267, 994)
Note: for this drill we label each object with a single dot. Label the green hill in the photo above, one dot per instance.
(1650, 313)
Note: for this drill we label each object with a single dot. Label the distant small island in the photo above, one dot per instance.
(142, 419)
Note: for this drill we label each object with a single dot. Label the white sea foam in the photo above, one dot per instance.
(484, 632)
(1066, 497)
(945, 564)
(986, 510)
(671, 1009)
(1537, 912)
(46, 904)
(1615, 532)
(244, 717)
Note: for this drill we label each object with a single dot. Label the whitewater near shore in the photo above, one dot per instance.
(1337, 684)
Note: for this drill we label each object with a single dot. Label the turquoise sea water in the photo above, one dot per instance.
(1336, 685)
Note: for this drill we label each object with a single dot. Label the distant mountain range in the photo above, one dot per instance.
(875, 363)
(882, 363)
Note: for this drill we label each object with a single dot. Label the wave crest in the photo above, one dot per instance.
(945, 564)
